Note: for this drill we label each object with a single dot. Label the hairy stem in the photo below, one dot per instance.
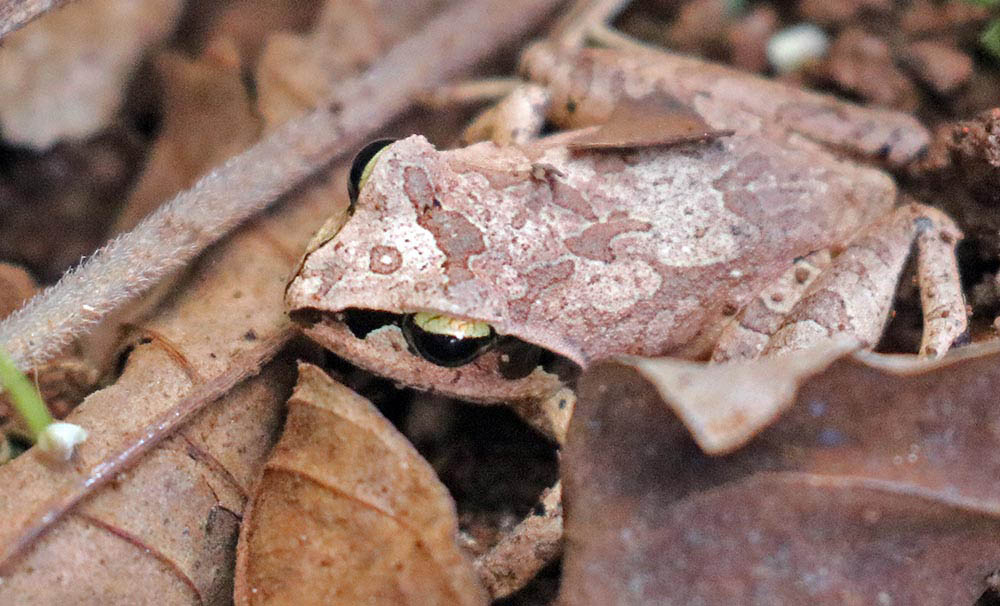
(15, 14)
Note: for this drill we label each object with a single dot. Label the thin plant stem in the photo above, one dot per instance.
(23, 395)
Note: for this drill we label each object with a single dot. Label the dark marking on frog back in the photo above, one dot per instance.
(418, 188)
(456, 237)
(595, 241)
(568, 197)
(537, 281)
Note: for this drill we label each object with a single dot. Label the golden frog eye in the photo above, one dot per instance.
(362, 165)
(447, 341)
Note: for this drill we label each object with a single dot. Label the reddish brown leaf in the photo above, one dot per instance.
(347, 512)
(877, 486)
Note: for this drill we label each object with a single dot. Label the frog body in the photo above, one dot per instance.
(587, 253)
(641, 250)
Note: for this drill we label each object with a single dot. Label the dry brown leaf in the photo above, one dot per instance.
(224, 320)
(171, 522)
(207, 117)
(657, 119)
(347, 512)
(250, 23)
(296, 72)
(215, 332)
(877, 486)
(63, 77)
(16, 286)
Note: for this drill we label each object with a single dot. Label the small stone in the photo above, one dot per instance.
(796, 46)
(940, 66)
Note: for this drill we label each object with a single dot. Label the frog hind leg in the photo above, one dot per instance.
(854, 295)
(746, 336)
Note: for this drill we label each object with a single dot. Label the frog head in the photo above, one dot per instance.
(411, 286)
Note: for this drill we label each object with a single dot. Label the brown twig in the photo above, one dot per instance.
(15, 14)
(171, 237)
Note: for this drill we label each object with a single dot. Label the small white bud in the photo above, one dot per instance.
(59, 439)
(795, 46)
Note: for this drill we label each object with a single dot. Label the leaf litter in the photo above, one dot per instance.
(824, 500)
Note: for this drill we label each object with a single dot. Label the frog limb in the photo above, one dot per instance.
(515, 120)
(853, 297)
(550, 414)
(748, 334)
(467, 92)
(941, 300)
(520, 554)
(587, 84)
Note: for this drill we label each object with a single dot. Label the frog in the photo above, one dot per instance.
(746, 235)
(587, 251)
(671, 214)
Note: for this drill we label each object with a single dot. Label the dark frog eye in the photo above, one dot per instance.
(447, 341)
(362, 166)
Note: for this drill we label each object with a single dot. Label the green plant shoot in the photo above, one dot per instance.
(990, 38)
(24, 396)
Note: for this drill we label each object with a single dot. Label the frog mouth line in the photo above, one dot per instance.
(516, 359)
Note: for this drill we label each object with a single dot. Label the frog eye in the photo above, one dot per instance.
(447, 341)
(361, 167)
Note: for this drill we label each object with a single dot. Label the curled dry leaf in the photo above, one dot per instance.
(62, 77)
(877, 485)
(171, 521)
(347, 512)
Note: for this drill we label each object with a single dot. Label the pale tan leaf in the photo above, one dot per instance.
(171, 522)
(296, 72)
(63, 77)
(207, 117)
(347, 512)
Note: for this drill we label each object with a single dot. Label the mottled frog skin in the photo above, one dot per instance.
(648, 250)
(587, 253)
